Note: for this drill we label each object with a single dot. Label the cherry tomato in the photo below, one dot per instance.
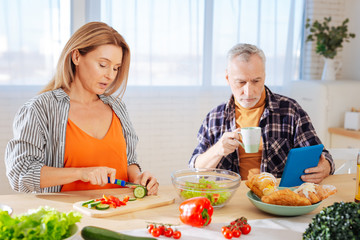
(161, 229)
(236, 233)
(168, 232)
(150, 227)
(233, 223)
(155, 232)
(176, 234)
(224, 228)
(227, 234)
(245, 229)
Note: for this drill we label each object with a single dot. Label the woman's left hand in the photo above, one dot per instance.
(148, 180)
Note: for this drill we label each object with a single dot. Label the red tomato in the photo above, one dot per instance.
(155, 232)
(161, 229)
(177, 235)
(150, 227)
(168, 232)
(236, 233)
(245, 229)
(224, 228)
(227, 234)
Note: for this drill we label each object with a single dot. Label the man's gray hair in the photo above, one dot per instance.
(245, 51)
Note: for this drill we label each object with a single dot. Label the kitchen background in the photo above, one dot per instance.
(169, 101)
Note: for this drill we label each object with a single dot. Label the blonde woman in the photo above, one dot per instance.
(76, 134)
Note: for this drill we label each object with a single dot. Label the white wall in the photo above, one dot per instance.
(351, 53)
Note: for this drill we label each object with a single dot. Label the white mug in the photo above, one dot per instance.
(250, 139)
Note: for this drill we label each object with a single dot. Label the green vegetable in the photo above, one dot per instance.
(102, 206)
(87, 202)
(93, 204)
(42, 223)
(97, 233)
(338, 221)
(208, 189)
(140, 192)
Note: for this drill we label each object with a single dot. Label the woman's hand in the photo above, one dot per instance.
(97, 175)
(148, 180)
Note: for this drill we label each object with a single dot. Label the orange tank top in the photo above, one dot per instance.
(83, 150)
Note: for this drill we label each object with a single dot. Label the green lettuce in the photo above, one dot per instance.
(41, 223)
(208, 189)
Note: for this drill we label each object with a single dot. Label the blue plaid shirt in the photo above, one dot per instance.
(285, 125)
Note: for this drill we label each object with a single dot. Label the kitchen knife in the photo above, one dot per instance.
(124, 183)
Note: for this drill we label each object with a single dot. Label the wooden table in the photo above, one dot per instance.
(238, 206)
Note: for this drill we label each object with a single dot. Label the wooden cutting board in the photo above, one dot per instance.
(147, 202)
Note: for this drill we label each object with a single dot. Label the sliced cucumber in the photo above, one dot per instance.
(102, 206)
(140, 192)
(132, 199)
(87, 202)
(93, 204)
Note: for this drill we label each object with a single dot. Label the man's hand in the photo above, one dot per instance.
(318, 173)
(227, 143)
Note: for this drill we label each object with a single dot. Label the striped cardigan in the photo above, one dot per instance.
(39, 138)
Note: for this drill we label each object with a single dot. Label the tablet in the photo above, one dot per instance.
(297, 161)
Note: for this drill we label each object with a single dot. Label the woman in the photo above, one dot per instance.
(75, 134)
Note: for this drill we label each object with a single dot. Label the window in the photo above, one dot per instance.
(173, 43)
(165, 38)
(32, 34)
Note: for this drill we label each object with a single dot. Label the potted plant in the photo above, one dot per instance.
(329, 40)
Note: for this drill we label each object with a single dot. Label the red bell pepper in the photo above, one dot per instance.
(196, 211)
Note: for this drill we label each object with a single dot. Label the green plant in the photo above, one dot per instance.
(328, 39)
(338, 221)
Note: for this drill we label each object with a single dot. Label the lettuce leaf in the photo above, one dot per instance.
(41, 223)
(208, 189)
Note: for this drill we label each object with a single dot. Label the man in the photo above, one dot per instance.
(285, 125)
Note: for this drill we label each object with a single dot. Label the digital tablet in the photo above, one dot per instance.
(297, 161)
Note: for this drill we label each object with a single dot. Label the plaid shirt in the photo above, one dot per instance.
(285, 125)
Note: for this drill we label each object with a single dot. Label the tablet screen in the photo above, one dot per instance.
(297, 161)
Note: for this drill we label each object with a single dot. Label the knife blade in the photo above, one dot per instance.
(124, 183)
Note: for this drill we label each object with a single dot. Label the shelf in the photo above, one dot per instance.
(346, 133)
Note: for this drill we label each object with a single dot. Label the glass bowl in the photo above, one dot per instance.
(218, 185)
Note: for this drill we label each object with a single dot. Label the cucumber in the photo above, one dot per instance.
(132, 199)
(87, 202)
(102, 206)
(97, 233)
(140, 192)
(93, 204)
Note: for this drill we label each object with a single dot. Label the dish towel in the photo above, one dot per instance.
(272, 228)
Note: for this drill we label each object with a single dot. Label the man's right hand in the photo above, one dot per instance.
(227, 143)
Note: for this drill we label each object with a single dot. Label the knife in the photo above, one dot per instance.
(124, 183)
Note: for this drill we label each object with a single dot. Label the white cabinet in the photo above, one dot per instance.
(326, 102)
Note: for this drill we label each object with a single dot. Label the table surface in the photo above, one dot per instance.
(238, 205)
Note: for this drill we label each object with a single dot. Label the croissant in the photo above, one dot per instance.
(262, 184)
(314, 192)
(286, 197)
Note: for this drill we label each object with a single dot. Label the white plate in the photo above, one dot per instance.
(6, 208)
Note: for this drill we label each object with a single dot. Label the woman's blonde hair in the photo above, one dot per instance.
(85, 40)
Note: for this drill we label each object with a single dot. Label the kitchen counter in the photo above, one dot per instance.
(238, 206)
